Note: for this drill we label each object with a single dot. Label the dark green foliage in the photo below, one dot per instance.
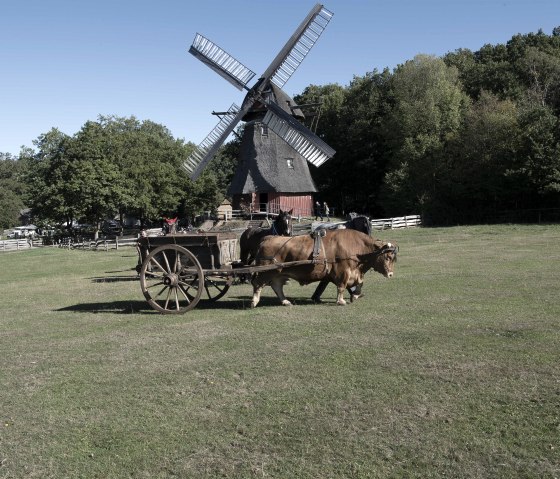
(537, 164)
(457, 139)
(11, 188)
(115, 166)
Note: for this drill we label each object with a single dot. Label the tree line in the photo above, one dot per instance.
(112, 167)
(457, 138)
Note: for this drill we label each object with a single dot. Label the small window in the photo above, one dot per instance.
(264, 129)
(290, 163)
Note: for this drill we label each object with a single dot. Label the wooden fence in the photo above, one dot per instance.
(104, 244)
(23, 244)
(399, 222)
(18, 244)
(377, 224)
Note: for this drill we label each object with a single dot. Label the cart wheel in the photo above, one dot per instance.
(171, 279)
(215, 287)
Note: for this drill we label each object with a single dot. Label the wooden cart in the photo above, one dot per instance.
(179, 270)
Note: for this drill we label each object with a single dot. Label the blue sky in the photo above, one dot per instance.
(65, 62)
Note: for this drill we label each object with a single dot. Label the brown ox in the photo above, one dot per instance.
(343, 258)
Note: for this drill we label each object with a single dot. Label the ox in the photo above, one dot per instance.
(358, 223)
(251, 238)
(342, 257)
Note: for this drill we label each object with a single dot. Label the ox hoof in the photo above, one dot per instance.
(253, 304)
(354, 297)
(341, 303)
(286, 303)
(316, 300)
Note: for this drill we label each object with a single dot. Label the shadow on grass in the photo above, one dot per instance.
(244, 302)
(114, 279)
(121, 270)
(113, 307)
(142, 307)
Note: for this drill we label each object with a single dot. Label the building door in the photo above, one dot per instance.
(263, 201)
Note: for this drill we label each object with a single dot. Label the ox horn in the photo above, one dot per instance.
(389, 247)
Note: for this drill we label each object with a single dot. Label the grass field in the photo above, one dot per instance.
(451, 369)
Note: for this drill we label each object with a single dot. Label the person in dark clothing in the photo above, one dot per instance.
(318, 211)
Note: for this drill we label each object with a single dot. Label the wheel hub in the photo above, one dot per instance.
(171, 279)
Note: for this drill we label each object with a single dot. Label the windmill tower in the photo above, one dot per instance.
(275, 147)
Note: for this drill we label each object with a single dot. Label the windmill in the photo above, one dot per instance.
(274, 141)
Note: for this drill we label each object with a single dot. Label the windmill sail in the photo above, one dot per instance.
(298, 46)
(303, 140)
(300, 138)
(221, 62)
(204, 152)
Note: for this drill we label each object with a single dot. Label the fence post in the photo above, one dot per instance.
(116, 242)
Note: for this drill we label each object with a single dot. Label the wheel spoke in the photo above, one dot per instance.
(160, 267)
(215, 284)
(178, 262)
(185, 294)
(176, 299)
(167, 299)
(166, 262)
(192, 284)
(216, 287)
(207, 283)
(165, 287)
(154, 285)
(186, 287)
(155, 276)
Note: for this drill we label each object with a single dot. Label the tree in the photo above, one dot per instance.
(367, 101)
(47, 175)
(537, 165)
(541, 72)
(93, 181)
(482, 153)
(11, 190)
(149, 159)
(428, 107)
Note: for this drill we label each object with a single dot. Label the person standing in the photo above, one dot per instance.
(318, 211)
(326, 210)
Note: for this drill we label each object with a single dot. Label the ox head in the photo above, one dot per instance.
(385, 259)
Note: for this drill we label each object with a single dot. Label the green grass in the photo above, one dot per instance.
(451, 369)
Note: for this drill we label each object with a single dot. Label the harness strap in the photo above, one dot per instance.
(386, 249)
(317, 243)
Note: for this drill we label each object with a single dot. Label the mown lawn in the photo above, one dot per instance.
(451, 369)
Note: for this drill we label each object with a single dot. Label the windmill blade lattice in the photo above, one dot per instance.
(303, 140)
(300, 138)
(205, 151)
(221, 62)
(298, 46)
